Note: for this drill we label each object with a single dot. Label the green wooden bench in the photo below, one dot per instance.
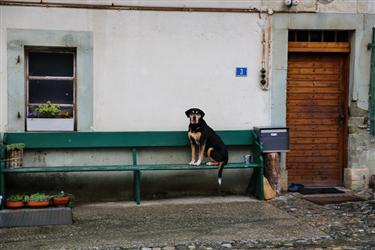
(129, 141)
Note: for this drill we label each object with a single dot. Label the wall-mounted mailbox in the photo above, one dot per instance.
(273, 139)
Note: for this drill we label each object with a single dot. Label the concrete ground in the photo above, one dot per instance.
(187, 222)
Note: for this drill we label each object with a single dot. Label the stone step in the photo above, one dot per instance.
(35, 217)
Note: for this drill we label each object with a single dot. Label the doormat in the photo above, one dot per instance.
(337, 199)
(329, 190)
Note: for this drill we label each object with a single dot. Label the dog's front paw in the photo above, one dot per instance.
(219, 181)
(197, 163)
(192, 162)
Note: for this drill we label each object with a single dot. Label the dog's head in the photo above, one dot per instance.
(195, 115)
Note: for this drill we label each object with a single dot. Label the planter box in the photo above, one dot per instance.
(14, 158)
(50, 124)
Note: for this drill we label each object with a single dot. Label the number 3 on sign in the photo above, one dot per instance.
(241, 72)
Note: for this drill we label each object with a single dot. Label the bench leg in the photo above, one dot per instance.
(137, 186)
(2, 189)
(260, 185)
(2, 184)
(2, 175)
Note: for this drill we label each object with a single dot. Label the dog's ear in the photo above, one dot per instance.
(201, 112)
(187, 112)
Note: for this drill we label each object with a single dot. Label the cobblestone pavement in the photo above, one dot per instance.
(293, 223)
(349, 226)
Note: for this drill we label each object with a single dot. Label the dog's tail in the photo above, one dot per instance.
(220, 173)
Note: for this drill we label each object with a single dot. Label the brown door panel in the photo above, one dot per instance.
(316, 101)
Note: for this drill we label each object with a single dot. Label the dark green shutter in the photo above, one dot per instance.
(372, 85)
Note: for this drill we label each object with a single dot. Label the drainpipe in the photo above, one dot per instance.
(266, 52)
(113, 6)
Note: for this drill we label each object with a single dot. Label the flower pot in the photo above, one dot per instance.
(37, 204)
(61, 201)
(14, 204)
(14, 158)
(50, 124)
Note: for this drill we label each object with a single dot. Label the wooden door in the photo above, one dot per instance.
(317, 118)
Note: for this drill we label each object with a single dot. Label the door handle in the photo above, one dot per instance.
(341, 119)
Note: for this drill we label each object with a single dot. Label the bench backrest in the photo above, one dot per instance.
(61, 140)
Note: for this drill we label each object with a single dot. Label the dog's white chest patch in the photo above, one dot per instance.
(195, 136)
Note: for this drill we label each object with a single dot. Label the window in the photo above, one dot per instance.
(318, 36)
(51, 77)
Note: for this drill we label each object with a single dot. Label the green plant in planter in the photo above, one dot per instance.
(48, 110)
(37, 197)
(63, 194)
(15, 146)
(15, 201)
(17, 197)
(14, 155)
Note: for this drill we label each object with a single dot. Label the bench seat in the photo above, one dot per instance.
(142, 167)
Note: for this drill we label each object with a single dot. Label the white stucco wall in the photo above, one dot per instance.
(149, 67)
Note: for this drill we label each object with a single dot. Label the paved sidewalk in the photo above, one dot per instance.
(190, 223)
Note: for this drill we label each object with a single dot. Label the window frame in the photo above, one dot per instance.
(47, 49)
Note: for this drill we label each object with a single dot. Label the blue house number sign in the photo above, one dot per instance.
(241, 72)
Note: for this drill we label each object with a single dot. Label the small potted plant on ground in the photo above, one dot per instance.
(63, 199)
(15, 155)
(49, 117)
(37, 200)
(15, 201)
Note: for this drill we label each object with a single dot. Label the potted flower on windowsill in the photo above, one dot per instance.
(15, 155)
(49, 117)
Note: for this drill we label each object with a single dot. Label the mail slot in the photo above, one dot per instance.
(273, 139)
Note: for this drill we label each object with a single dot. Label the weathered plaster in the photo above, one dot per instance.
(347, 6)
(356, 178)
(366, 6)
(361, 145)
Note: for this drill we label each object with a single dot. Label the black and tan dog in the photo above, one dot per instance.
(204, 140)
